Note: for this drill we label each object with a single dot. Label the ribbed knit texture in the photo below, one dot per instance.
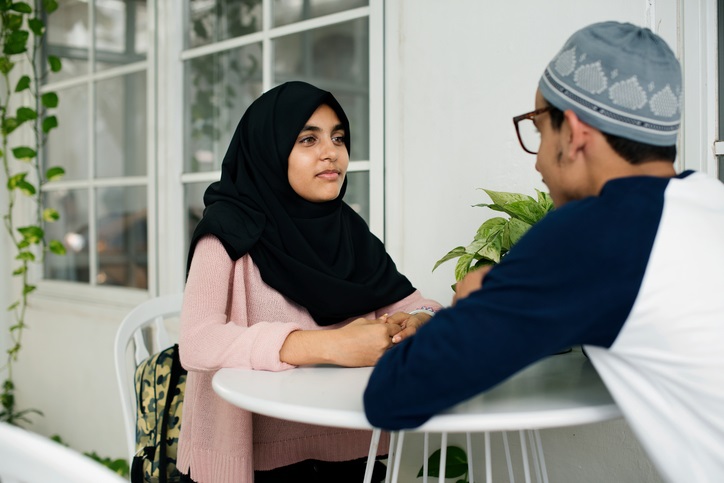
(220, 442)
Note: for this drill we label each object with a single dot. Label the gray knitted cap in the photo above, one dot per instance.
(619, 78)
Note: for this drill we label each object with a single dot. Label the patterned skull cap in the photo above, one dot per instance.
(619, 78)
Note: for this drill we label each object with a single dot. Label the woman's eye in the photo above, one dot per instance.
(307, 140)
(338, 139)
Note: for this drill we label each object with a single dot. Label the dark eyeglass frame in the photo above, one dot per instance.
(528, 115)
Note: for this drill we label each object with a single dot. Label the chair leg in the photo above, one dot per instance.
(391, 456)
(398, 456)
(443, 457)
(426, 452)
(469, 442)
(541, 457)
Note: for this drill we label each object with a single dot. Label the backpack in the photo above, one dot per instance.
(160, 382)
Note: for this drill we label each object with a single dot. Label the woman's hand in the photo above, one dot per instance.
(359, 343)
(408, 323)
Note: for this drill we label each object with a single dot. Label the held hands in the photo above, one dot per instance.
(408, 323)
(362, 342)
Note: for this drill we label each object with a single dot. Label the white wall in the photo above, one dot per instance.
(457, 71)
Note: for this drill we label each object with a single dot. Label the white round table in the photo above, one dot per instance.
(558, 391)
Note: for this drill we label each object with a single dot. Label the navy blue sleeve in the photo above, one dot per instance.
(572, 279)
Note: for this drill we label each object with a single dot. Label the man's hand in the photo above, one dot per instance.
(408, 323)
(470, 283)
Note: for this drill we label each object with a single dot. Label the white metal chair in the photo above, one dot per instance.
(149, 314)
(31, 458)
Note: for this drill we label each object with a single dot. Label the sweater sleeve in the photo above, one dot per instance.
(414, 301)
(209, 340)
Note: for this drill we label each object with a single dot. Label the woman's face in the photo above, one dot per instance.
(319, 159)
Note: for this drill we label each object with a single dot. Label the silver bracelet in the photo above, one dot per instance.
(423, 311)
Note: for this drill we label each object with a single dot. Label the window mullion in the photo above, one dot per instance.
(92, 212)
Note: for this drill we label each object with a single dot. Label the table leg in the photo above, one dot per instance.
(372, 455)
(443, 457)
(425, 454)
(398, 456)
(524, 451)
(469, 442)
(391, 456)
(511, 477)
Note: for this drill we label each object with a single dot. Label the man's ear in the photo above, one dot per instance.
(578, 133)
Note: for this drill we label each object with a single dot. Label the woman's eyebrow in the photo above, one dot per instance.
(310, 127)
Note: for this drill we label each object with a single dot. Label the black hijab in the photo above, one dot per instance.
(320, 255)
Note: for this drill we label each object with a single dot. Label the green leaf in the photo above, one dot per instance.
(25, 256)
(545, 200)
(50, 100)
(10, 124)
(13, 306)
(527, 210)
(54, 173)
(6, 65)
(516, 230)
(26, 188)
(29, 289)
(32, 233)
(463, 265)
(21, 7)
(13, 21)
(50, 6)
(23, 83)
(456, 463)
(503, 198)
(49, 123)
(55, 63)
(56, 247)
(37, 26)
(50, 215)
(14, 180)
(16, 42)
(454, 253)
(20, 271)
(24, 153)
(26, 114)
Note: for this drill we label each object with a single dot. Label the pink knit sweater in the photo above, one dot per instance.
(231, 318)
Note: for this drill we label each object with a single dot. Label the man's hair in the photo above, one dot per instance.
(632, 151)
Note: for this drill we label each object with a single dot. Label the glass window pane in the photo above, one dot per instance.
(194, 209)
(121, 126)
(334, 58)
(212, 21)
(72, 231)
(219, 88)
(67, 144)
(122, 237)
(68, 38)
(121, 32)
(358, 193)
(290, 11)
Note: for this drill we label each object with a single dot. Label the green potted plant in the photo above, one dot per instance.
(495, 237)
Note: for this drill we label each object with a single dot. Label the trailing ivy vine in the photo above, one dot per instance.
(22, 103)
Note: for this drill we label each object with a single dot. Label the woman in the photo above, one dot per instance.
(283, 273)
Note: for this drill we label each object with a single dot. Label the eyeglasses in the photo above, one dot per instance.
(528, 134)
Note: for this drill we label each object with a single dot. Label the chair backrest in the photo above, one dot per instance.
(31, 458)
(149, 314)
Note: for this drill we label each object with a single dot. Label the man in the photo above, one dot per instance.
(630, 265)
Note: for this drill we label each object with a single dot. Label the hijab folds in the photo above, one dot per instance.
(320, 255)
